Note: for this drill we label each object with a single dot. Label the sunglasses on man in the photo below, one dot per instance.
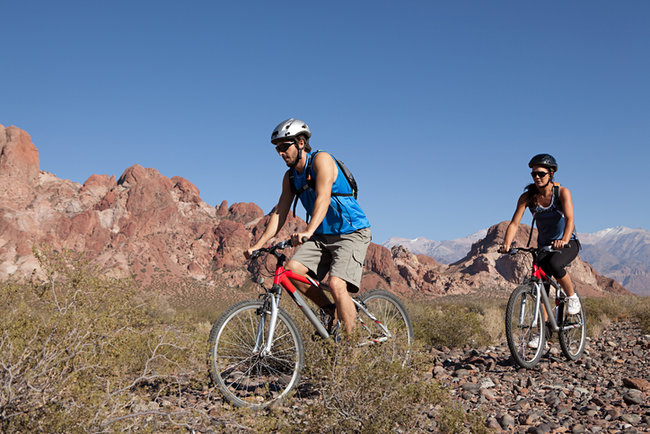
(282, 147)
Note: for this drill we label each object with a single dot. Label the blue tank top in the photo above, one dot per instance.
(344, 214)
(550, 222)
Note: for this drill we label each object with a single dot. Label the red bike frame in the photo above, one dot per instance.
(283, 275)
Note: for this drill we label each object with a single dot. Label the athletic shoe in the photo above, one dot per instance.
(534, 343)
(332, 325)
(573, 305)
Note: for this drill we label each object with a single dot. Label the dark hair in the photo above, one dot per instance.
(306, 139)
(531, 193)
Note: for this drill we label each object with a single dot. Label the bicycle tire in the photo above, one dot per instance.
(572, 341)
(520, 334)
(391, 312)
(246, 378)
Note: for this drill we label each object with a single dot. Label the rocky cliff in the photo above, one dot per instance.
(152, 227)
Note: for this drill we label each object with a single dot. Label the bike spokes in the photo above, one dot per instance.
(525, 326)
(246, 373)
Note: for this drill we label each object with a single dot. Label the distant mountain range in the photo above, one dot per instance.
(447, 251)
(621, 253)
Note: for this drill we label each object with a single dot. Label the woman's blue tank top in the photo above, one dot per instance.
(550, 223)
(344, 214)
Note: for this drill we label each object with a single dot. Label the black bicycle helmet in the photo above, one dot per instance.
(544, 160)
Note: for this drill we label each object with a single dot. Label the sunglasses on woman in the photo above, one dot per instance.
(539, 174)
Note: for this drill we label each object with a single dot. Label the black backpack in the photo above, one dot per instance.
(312, 183)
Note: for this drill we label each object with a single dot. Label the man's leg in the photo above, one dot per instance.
(345, 309)
(314, 294)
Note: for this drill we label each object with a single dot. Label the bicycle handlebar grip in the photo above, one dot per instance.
(304, 239)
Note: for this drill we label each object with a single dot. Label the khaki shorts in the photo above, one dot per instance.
(340, 255)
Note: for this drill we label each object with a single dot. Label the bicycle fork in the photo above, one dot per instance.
(270, 306)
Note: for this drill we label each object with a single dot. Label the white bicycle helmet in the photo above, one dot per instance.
(289, 129)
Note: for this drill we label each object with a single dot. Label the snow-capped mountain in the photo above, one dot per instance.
(621, 253)
(445, 252)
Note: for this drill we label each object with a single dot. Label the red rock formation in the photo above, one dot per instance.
(149, 226)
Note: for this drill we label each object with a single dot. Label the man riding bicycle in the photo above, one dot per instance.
(338, 231)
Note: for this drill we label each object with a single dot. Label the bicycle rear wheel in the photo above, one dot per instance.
(573, 331)
(388, 311)
(523, 332)
(245, 376)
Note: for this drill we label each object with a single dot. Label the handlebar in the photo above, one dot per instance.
(272, 249)
(533, 250)
(279, 246)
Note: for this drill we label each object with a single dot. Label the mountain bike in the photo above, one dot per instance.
(256, 350)
(526, 327)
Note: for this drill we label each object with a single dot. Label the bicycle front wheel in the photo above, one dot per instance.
(245, 374)
(573, 332)
(524, 329)
(391, 324)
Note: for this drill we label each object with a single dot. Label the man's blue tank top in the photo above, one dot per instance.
(344, 214)
(550, 223)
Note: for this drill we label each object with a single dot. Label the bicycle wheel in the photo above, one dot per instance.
(521, 327)
(237, 366)
(573, 331)
(389, 312)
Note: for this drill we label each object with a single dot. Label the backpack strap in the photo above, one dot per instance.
(311, 182)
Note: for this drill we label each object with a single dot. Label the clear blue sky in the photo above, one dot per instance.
(435, 106)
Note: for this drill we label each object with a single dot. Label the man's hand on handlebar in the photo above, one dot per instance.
(248, 253)
(299, 238)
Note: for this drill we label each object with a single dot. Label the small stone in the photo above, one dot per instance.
(487, 383)
(471, 387)
(632, 419)
(637, 383)
(487, 394)
(439, 372)
(542, 428)
(577, 429)
(493, 424)
(633, 397)
(506, 421)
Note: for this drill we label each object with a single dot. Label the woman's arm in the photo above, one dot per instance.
(569, 224)
(514, 223)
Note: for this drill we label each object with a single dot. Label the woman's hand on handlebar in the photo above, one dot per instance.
(558, 244)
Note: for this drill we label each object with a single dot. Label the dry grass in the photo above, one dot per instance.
(79, 352)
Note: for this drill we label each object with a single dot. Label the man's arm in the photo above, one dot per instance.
(278, 216)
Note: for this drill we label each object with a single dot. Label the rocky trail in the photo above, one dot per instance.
(605, 391)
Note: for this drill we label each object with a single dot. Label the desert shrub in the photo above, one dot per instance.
(450, 325)
(356, 389)
(77, 350)
(602, 311)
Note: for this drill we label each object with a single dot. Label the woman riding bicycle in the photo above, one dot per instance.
(552, 209)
